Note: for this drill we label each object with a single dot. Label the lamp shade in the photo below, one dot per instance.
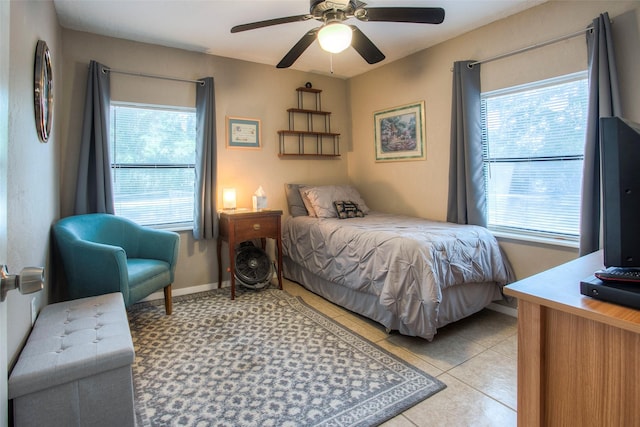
(228, 198)
(335, 37)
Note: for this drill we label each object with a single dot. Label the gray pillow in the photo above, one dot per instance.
(322, 197)
(294, 200)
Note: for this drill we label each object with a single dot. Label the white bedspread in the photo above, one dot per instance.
(405, 261)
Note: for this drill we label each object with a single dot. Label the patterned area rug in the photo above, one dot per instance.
(265, 359)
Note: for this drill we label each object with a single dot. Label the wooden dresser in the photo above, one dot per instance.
(578, 357)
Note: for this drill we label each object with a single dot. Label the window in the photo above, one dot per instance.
(153, 163)
(533, 143)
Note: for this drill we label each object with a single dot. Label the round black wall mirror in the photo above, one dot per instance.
(43, 90)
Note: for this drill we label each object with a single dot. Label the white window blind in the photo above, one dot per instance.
(533, 142)
(153, 163)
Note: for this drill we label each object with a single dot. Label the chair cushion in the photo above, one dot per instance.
(141, 270)
(145, 277)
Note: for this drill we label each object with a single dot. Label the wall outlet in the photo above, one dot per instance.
(34, 310)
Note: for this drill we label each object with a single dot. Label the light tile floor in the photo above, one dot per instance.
(475, 357)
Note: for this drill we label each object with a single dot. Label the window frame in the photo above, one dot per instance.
(172, 226)
(514, 233)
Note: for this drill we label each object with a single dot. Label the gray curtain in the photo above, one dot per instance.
(604, 101)
(205, 223)
(94, 192)
(467, 204)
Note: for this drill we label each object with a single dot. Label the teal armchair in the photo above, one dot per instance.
(103, 253)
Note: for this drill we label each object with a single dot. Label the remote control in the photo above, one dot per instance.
(618, 274)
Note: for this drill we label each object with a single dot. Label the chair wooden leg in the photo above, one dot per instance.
(168, 304)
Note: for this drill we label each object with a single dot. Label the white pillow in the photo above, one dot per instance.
(322, 198)
(306, 202)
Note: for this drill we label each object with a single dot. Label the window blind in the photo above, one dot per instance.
(153, 164)
(533, 145)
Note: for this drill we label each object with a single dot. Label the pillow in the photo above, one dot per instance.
(307, 203)
(322, 198)
(294, 199)
(347, 209)
(355, 197)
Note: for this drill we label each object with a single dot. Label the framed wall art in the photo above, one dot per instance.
(243, 133)
(399, 133)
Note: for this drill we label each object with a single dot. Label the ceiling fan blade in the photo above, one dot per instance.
(270, 22)
(298, 49)
(365, 47)
(420, 15)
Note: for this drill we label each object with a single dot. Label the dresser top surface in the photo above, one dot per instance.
(559, 288)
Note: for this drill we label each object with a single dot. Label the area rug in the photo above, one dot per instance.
(264, 359)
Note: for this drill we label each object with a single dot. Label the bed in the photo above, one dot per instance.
(412, 275)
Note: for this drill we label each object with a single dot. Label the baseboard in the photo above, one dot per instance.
(510, 311)
(194, 289)
(186, 291)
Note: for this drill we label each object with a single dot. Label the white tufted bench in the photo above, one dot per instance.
(75, 369)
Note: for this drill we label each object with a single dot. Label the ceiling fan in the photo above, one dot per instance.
(334, 36)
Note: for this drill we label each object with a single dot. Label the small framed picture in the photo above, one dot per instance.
(243, 133)
(399, 133)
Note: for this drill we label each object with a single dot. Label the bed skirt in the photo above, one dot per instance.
(457, 301)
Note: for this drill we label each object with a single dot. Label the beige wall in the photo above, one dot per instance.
(32, 182)
(242, 89)
(420, 187)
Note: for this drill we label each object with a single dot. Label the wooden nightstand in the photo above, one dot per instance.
(239, 226)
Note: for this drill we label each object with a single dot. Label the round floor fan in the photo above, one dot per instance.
(253, 268)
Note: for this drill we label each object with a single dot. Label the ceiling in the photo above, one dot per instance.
(204, 26)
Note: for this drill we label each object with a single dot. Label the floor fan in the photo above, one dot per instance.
(253, 268)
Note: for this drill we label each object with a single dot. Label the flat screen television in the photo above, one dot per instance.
(620, 157)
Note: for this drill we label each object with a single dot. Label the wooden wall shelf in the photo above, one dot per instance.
(311, 142)
(307, 132)
(305, 111)
(309, 156)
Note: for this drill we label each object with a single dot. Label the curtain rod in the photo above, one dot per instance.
(535, 46)
(153, 76)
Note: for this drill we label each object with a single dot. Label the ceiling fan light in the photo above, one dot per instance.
(335, 37)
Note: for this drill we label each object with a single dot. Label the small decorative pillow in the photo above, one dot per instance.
(347, 209)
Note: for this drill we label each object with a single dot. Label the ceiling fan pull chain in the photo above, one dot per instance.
(331, 63)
